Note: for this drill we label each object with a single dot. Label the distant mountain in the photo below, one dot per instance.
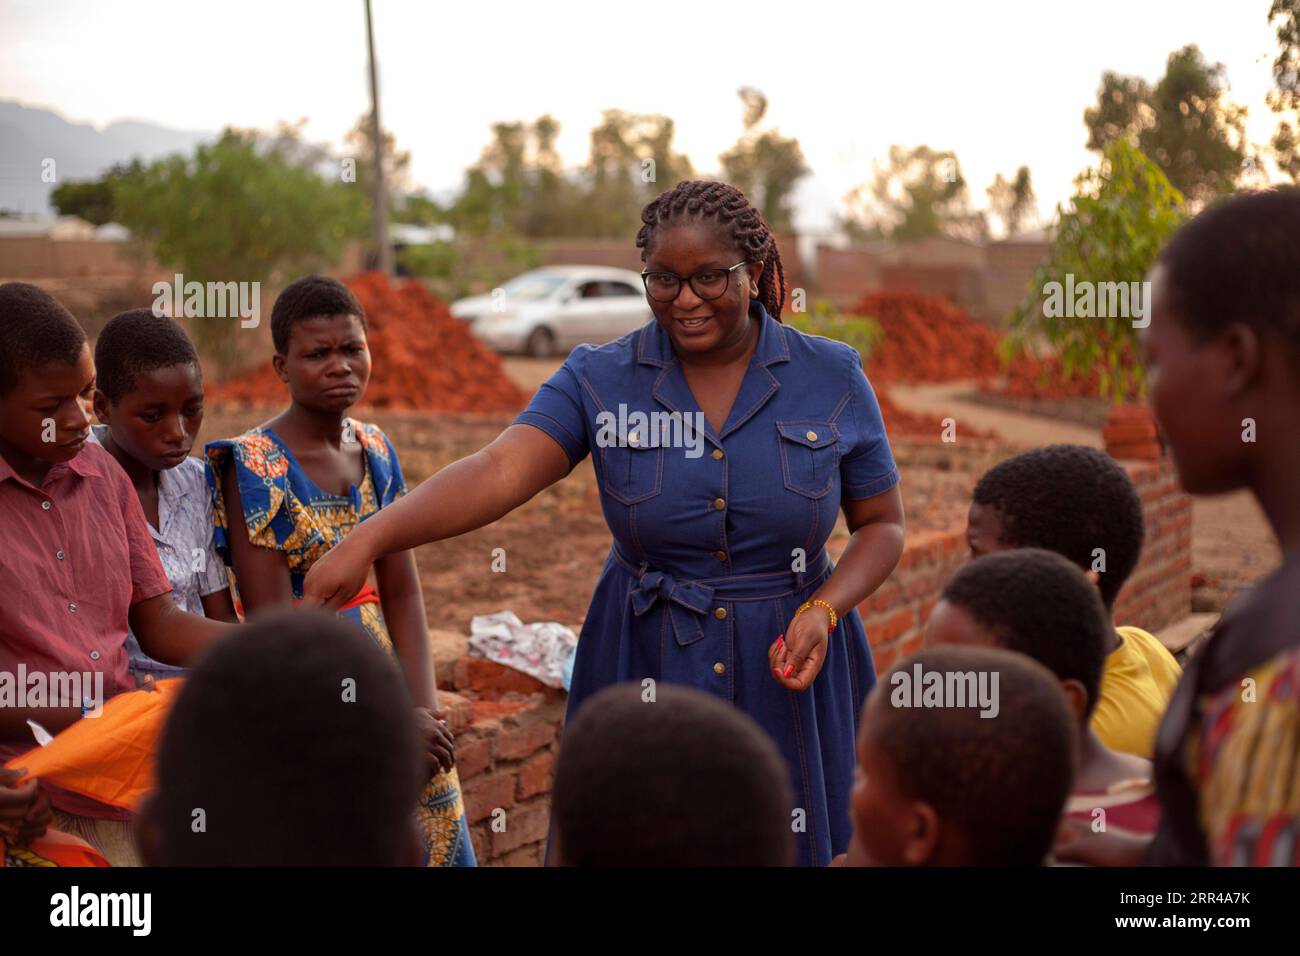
(30, 135)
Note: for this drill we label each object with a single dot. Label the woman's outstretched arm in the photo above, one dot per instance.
(465, 495)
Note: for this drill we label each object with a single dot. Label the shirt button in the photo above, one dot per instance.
(811, 436)
(720, 613)
(94, 655)
(719, 668)
(72, 608)
(719, 504)
(59, 555)
(45, 505)
(717, 454)
(633, 438)
(720, 555)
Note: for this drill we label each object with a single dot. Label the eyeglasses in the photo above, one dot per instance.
(707, 283)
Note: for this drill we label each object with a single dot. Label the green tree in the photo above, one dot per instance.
(920, 194)
(765, 165)
(1120, 216)
(94, 200)
(1284, 99)
(1184, 123)
(246, 208)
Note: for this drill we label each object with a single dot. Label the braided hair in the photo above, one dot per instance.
(727, 205)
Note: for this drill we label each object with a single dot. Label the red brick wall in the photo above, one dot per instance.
(1159, 591)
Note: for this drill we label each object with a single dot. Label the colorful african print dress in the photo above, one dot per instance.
(284, 510)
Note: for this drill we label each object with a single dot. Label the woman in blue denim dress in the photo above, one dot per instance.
(725, 445)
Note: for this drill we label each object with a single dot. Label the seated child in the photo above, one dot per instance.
(682, 780)
(292, 746)
(75, 554)
(968, 779)
(1223, 354)
(291, 489)
(1075, 500)
(1037, 603)
(149, 399)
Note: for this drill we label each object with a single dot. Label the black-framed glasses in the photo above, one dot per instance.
(706, 283)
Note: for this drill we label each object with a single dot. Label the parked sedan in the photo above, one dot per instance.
(550, 310)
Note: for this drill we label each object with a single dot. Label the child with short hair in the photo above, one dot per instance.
(289, 768)
(149, 401)
(75, 552)
(964, 785)
(289, 490)
(682, 779)
(1080, 503)
(1037, 603)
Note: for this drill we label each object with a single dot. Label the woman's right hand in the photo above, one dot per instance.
(337, 576)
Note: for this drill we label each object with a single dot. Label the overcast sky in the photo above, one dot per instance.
(1002, 83)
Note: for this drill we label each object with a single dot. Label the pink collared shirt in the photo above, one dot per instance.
(75, 554)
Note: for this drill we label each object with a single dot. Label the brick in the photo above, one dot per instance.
(491, 679)
(897, 623)
(473, 757)
(884, 657)
(524, 825)
(515, 744)
(911, 643)
(530, 855)
(886, 596)
(535, 775)
(486, 793)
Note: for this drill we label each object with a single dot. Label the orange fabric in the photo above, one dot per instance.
(55, 848)
(109, 758)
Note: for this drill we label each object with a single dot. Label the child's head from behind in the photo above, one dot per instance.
(1033, 602)
(149, 387)
(1074, 500)
(673, 778)
(46, 374)
(1223, 347)
(947, 786)
(295, 739)
(319, 331)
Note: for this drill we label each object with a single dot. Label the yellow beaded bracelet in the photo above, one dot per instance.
(818, 602)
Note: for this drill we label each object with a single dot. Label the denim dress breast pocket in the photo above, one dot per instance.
(633, 468)
(810, 456)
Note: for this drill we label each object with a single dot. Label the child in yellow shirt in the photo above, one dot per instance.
(1080, 503)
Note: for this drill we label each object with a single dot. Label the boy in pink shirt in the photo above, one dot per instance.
(77, 563)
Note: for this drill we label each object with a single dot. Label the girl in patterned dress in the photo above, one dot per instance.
(301, 482)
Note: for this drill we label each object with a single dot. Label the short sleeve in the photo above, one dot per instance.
(868, 467)
(262, 471)
(557, 410)
(213, 577)
(385, 466)
(148, 579)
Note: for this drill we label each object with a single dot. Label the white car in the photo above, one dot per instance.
(548, 311)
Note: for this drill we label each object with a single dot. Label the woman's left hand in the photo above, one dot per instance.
(797, 655)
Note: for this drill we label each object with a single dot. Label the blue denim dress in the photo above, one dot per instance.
(715, 545)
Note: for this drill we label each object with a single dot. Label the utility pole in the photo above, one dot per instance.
(383, 248)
